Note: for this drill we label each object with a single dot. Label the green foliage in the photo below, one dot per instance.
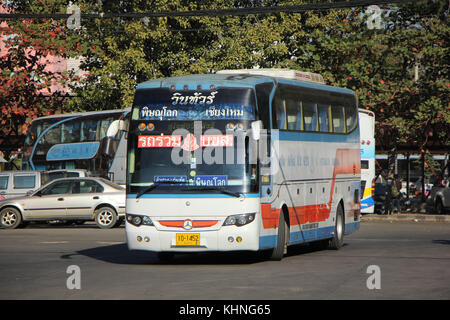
(379, 64)
(28, 87)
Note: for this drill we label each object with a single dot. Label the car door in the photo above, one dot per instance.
(86, 194)
(4, 184)
(48, 203)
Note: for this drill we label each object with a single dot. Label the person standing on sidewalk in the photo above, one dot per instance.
(395, 191)
(388, 197)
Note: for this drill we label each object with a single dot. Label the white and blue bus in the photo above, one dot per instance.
(94, 141)
(367, 133)
(242, 160)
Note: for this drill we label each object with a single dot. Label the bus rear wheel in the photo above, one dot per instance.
(338, 238)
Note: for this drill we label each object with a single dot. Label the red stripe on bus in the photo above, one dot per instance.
(347, 162)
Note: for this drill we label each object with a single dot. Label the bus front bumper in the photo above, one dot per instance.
(227, 238)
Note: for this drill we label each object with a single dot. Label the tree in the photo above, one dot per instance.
(28, 87)
(379, 64)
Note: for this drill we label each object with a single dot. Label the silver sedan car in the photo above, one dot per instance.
(75, 199)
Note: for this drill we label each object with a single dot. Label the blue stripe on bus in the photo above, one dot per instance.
(318, 137)
(367, 202)
(183, 196)
(268, 242)
(352, 227)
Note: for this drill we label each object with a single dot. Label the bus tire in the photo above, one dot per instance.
(10, 218)
(338, 238)
(278, 252)
(105, 217)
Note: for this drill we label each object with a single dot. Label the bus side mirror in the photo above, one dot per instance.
(109, 146)
(115, 127)
(256, 130)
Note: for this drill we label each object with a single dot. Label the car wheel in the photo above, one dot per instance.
(338, 239)
(106, 217)
(10, 218)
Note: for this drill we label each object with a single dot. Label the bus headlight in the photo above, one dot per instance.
(239, 219)
(138, 220)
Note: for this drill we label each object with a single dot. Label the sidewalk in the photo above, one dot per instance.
(415, 217)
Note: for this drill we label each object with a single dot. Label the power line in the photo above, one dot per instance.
(212, 13)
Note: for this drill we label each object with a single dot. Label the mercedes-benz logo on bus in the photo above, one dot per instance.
(187, 225)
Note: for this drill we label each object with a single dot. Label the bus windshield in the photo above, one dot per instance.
(191, 141)
(77, 141)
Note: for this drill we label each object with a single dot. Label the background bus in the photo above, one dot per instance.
(367, 132)
(302, 185)
(89, 140)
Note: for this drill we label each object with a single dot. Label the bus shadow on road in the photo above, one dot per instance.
(119, 254)
(441, 241)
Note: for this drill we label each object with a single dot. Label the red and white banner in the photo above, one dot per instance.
(189, 142)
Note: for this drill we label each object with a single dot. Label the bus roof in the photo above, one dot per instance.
(205, 81)
(367, 112)
(87, 113)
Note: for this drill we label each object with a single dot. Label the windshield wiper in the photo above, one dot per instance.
(155, 185)
(224, 191)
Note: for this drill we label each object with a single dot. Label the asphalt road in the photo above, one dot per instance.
(383, 260)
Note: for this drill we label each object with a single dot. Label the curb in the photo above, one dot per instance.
(406, 217)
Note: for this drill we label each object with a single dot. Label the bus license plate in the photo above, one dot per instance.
(188, 239)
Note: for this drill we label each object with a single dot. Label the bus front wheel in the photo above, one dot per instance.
(277, 253)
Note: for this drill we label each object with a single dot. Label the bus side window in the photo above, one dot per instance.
(309, 116)
(324, 123)
(299, 124)
(350, 118)
(337, 116)
(89, 130)
(263, 97)
(70, 132)
(292, 111)
(279, 106)
(104, 127)
(53, 136)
